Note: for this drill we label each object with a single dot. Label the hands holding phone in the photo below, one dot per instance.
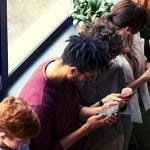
(108, 111)
(113, 102)
(126, 95)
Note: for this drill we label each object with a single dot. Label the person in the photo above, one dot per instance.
(109, 136)
(18, 123)
(141, 130)
(52, 93)
(128, 18)
(145, 32)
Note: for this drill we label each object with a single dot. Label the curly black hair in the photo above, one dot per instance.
(86, 53)
(113, 42)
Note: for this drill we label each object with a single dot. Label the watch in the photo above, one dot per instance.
(101, 103)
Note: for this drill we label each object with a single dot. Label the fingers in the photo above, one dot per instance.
(115, 94)
(109, 104)
(112, 97)
(100, 120)
(126, 92)
(112, 119)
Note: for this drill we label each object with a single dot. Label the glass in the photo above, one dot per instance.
(30, 22)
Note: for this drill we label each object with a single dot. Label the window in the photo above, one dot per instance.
(30, 22)
(24, 26)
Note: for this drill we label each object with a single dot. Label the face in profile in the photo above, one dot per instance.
(11, 142)
(81, 77)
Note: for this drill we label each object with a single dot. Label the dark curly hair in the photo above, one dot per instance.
(108, 35)
(86, 53)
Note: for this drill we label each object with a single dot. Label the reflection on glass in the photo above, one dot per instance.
(29, 23)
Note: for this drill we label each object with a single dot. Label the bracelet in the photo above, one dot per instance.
(100, 103)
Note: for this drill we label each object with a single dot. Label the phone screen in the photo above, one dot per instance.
(110, 111)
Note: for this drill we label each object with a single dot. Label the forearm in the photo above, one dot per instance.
(70, 139)
(87, 112)
(137, 83)
(95, 105)
(147, 65)
(91, 124)
(98, 106)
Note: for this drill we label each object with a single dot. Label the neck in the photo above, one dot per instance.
(57, 71)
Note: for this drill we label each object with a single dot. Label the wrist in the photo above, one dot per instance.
(86, 128)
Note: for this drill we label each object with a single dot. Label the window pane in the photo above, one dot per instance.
(30, 22)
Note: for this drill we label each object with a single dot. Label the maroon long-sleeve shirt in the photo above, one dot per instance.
(57, 108)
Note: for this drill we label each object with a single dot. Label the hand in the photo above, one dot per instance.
(126, 95)
(112, 97)
(126, 92)
(109, 110)
(109, 104)
(113, 119)
(95, 122)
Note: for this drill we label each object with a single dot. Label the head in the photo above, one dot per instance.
(128, 15)
(85, 55)
(18, 122)
(109, 36)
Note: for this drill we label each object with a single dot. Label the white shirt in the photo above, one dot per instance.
(133, 107)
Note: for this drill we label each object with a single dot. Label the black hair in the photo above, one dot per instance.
(86, 53)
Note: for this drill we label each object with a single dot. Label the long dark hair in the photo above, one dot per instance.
(128, 13)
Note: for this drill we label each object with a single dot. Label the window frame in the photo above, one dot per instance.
(8, 79)
(3, 45)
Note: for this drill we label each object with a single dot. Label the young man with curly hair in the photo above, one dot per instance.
(52, 93)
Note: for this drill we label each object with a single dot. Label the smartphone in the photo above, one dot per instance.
(129, 96)
(110, 111)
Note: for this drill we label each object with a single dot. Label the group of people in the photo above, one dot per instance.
(65, 103)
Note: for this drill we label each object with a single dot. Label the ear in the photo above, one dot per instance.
(73, 71)
(128, 30)
(2, 134)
